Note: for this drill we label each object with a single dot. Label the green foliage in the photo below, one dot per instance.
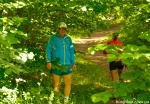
(137, 59)
(111, 49)
(102, 96)
(85, 82)
(145, 36)
(135, 35)
(28, 91)
(26, 26)
(8, 36)
(56, 65)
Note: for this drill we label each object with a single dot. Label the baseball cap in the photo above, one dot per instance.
(62, 25)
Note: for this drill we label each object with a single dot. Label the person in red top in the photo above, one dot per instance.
(115, 66)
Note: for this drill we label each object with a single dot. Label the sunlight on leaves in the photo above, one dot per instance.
(147, 56)
(111, 57)
(20, 80)
(145, 35)
(93, 52)
(4, 19)
(30, 55)
(102, 96)
(23, 57)
(148, 0)
(84, 8)
(136, 56)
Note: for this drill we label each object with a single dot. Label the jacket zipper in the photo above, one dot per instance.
(64, 51)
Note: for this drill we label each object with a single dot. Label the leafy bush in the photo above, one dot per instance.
(135, 36)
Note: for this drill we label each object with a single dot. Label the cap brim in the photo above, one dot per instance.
(62, 27)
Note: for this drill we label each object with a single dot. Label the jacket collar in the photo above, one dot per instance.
(60, 36)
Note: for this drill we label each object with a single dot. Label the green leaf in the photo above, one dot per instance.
(123, 93)
(136, 56)
(111, 57)
(129, 89)
(11, 38)
(100, 47)
(18, 71)
(8, 71)
(91, 50)
(102, 96)
(143, 86)
(117, 93)
(145, 35)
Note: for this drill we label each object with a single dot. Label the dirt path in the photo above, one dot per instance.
(97, 37)
(98, 58)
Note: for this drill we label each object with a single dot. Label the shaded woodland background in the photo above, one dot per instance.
(26, 27)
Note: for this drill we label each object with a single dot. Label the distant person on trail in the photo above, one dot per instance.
(60, 47)
(115, 66)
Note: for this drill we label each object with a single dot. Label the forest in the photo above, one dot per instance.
(26, 26)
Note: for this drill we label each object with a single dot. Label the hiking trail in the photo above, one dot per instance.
(83, 44)
(98, 58)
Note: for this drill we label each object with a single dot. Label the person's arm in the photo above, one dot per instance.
(72, 59)
(104, 52)
(48, 53)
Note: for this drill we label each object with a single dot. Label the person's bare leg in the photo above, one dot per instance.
(114, 75)
(119, 73)
(67, 81)
(56, 80)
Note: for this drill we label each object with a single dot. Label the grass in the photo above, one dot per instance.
(86, 80)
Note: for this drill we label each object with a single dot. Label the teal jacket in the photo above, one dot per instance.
(60, 47)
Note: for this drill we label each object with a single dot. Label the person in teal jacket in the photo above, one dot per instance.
(60, 50)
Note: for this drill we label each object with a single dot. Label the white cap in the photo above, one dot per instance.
(62, 25)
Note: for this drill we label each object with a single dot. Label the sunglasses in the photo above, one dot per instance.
(62, 29)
